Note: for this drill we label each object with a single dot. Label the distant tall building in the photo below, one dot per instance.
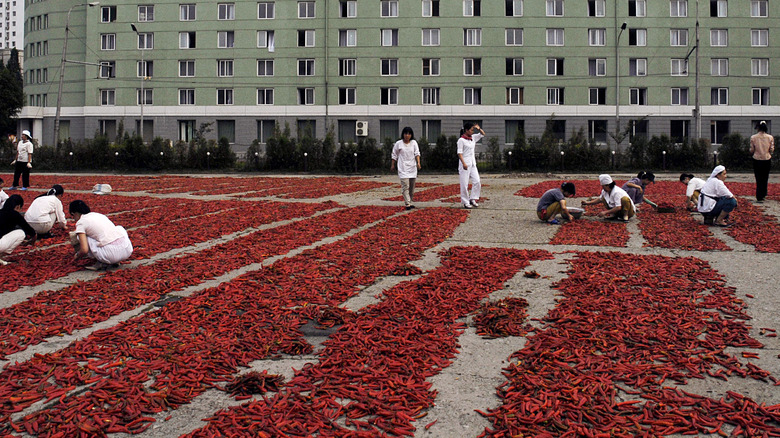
(11, 24)
(369, 68)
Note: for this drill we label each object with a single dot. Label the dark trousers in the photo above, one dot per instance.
(761, 171)
(21, 169)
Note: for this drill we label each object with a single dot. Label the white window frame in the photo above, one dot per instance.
(186, 96)
(107, 69)
(224, 41)
(307, 10)
(472, 96)
(722, 7)
(679, 67)
(389, 94)
(760, 96)
(225, 96)
(600, 8)
(759, 8)
(268, 96)
(188, 12)
(350, 37)
(144, 68)
(431, 96)
(719, 38)
(348, 67)
(679, 96)
(641, 8)
(185, 43)
(678, 37)
(471, 65)
(469, 6)
(555, 37)
(472, 37)
(265, 40)
(636, 96)
(722, 94)
(678, 8)
(388, 8)
(268, 66)
(718, 65)
(226, 11)
(512, 35)
(599, 66)
(759, 67)
(146, 41)
(388, 67)
(641, 37)
(515, 66)
(554, 8)
(107, 14)
(308, 37)
(596, 101)
(517, 8)
(555, 95)
(144, 13)
(431, 37)
(351, 9)
(759, 37)
(108, 41)
(148, 96)
(350, 94)
(640, 65)
(434, 66)
(389, 36)
(266, 10)
(107, 97)
(184, 65)
(308, 65)
(513, 95)
(597, 37)
(552, 67)
(225, 68)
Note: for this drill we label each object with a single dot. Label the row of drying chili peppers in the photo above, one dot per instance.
(591, 187)
(599, 370)
(677, 229)
(754, 227)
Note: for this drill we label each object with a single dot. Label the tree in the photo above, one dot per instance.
(11, 93)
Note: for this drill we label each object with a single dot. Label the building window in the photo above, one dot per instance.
(759, 67)
(554, 8)
(431, 96)
(431, 130)
(760, 96)
(597, 131)
(514, 95)
(144, 69)
(430, 66)
(389, 67)
(347, 67)
(597, 67)
(265, 96)
(759, 8)
(514, 66)
(187, 69)
(472, 66)
(108, 41)
(107, 69)
(226, 39)
(678, 37)
(472, 37)
(227, 129)
(472, 8)
(719, 96)
(348, 9)
(389, 8)
(265, 11)
(514, 37)
(265, 39)
(389, 37)
(187, 96)
(226, 11)
(107, 14)
(146, 41)
(186, 130)
(597, 37)
(678, 130)
(146, 13)
(637, 96)
(679, 67)
(719, 37)
(554, 37)
(597, 96)
(718, 8)
(596, 8)
(718, 130)
(554, 66)
(679, 96)
(108, 97)
(144, 98)
(759, 37)
(187, 12)
(305, 96)
(637, 8)
(678, 8)
(225, 68)
(637, 37)
(719, 67)
(307, 128)
(305, 67)
(186, 40)
(430, 8)
(347, 96)
(388, 96)
(306, 38)
(637, 67)
(514, 8)
(555, 96)
(472, 96)
(265, 67)
(430, 37)
(265, 130)
(347, 37)
(224, 96)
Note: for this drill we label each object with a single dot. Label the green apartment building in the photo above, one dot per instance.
(371, 67)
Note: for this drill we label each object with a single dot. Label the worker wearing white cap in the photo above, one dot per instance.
(618, 204)
(716, 201)
(23, 162)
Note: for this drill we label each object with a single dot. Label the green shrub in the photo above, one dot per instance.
(734, 153)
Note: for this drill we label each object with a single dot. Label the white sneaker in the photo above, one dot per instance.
(467, 206)
(474, 203)
(4, 263)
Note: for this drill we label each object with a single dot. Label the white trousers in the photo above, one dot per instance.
(43, 227)
(115, 252)
(10, 241)
(476, 185)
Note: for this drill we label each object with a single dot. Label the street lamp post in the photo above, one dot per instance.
(62, 70)
(143, 78)
(617, 79)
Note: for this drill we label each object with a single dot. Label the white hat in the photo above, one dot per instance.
(27, 133)
(717, 170)
(605, 179)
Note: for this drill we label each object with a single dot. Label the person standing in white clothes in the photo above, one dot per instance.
(406, 156)
(96, 236)
(467, 166)
(23, 162)
(45, 211)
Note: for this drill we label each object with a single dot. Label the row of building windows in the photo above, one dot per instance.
(432, 96)
(430, 8)
(40, 22)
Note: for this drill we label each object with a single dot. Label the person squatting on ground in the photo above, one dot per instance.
(618, 204)
(23, 162)
(406, 156)
(3, 195)
(13, 227)
(637, 187)
(716, 201)
(45, 211)
(693, 187)
(467, 164)
(553, 202)
(97, 237)
(762, 146)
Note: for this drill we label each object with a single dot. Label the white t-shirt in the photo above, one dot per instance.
(98, 227)
(3, 197)
(466, 148)
(693, 185)
(23, 151)
(41, 209)
(713, 188)
(404, 154)
(613, 198)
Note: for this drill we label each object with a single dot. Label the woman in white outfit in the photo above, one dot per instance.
(96, 236)
(23, 162)
(467, 167)
(406, 155)
(45, 211)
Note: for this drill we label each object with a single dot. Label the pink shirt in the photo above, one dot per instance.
(762, 145)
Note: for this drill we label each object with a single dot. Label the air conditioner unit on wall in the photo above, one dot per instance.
(361, 128)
